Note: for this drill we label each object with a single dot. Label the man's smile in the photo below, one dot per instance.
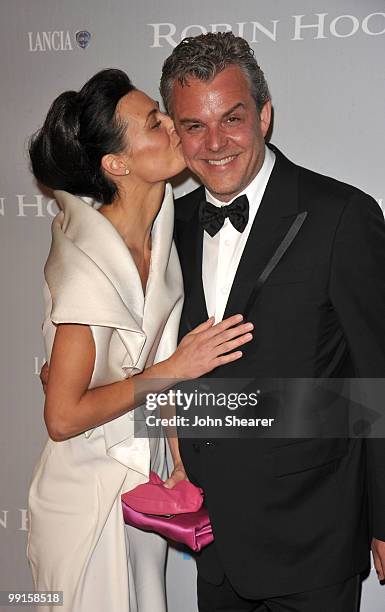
(221, 162)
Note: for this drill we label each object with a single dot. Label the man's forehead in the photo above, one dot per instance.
(228, 89)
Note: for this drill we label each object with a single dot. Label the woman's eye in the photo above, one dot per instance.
(156, 125)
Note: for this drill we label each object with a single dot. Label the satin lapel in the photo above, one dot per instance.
(191, 246)
(89, 230)
(165, 283)
(276, 213)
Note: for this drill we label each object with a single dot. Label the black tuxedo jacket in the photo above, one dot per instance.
(293, 515)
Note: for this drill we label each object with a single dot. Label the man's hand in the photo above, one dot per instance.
(378, 551)
(177, 474)
(44, 376)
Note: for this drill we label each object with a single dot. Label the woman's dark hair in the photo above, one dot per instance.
(80, 128)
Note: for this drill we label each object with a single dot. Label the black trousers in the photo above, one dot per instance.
(341, 597)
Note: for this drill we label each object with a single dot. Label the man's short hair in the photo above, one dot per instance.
(203, 56)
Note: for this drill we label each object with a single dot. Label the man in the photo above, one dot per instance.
(291, 519)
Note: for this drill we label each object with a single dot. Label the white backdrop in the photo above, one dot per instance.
(324, 61)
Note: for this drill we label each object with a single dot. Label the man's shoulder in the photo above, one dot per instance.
(333, 198)
(324, 184)
(312, 180)
(321, 190)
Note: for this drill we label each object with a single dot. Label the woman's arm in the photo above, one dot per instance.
(71, 408)
(178, 472)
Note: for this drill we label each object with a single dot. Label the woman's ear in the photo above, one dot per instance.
(112, 164)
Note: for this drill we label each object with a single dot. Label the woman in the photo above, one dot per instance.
(113, 300)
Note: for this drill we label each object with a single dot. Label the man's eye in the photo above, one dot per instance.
(233, 119)
(193, 127)
(156, 125)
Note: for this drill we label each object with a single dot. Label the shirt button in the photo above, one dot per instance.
(224, 290)
(227, 243)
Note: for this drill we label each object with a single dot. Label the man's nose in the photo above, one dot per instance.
(215, 140)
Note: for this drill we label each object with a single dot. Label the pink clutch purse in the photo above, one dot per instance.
(176, 514)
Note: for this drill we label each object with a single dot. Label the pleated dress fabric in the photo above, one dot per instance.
(77, 540)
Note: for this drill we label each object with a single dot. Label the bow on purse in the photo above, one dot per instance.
(176, 514)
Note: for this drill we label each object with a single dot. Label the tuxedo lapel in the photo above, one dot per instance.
(275, 216)
(194, 311)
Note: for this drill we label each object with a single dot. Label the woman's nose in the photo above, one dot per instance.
(171, 130)
(169, 123)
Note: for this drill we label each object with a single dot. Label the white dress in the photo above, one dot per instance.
(77, 540)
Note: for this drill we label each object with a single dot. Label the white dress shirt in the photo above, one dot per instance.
(222, 252)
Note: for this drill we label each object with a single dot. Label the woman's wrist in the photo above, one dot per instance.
(157, 378)
(168, 370)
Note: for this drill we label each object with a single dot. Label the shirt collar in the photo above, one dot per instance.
(256, 187)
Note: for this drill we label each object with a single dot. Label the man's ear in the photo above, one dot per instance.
(265, 117)
(112, 164)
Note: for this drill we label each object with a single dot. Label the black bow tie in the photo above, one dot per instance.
(213, 217)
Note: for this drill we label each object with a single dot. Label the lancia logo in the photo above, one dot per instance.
(83, 38)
